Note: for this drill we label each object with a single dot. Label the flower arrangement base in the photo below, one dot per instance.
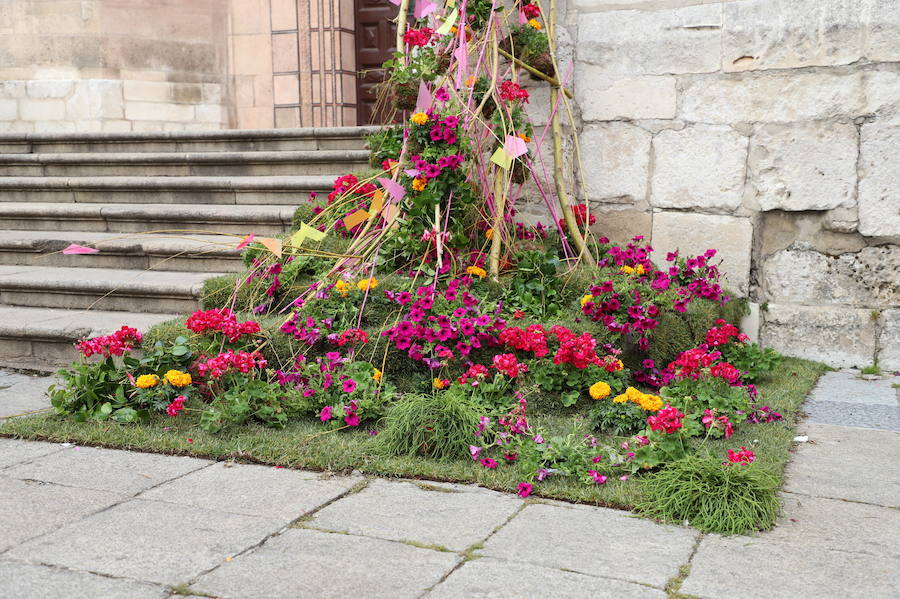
(405, 95)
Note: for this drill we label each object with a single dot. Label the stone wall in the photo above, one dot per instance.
(112, 65)
(768, 129)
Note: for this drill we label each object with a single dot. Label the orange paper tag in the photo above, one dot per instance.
(377, 202)
(355, 218)
(273, 245)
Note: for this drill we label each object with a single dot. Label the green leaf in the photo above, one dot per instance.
(570, 398)
(180, 350)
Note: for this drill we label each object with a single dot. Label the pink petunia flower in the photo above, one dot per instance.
(525, 489)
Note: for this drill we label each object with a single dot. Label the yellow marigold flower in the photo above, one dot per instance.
(489, 234)
(470, 80)
(534, 23)
(420, 118)
(599, 390)
(366, 284)
(476, 271)
(586, 299)
(145, 381)
(620, 398)
(640, 269)
(177, 378)
(377, 375)
(627, 270)
(633, 395)
(523, 137)
(438, 383)
(619, 365)
(651, 403)
(419, 183)
(454, 30)
(342, 286)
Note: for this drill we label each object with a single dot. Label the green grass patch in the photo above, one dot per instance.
(305, 444)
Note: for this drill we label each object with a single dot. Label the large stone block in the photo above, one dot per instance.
(606, 97)
(620, 226)
(608, 5)
(889, 341)
(616, 158)
(9, 110)
(683, 40)
(805, 166)
(43, 90)
(879, 180)
(95, 99)
(152, 111)
(148, 91)
(772, 34)
(698, 167)
(42, 110)
(868, 278)
(836, 335)
(773, 96)
(692, 234)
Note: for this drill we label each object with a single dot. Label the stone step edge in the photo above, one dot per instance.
(185, 158)
(52, 324)
(268, 213)
(125, 244)
(117, 282)
(187, 136)
(285, 183)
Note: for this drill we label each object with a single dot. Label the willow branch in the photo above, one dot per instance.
(551, 80)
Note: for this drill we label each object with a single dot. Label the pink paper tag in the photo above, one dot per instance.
(412, 172)
(522, 18)
(461, 54)
(395, 2)
(423, 102)
(79, 249)
(394, 189)
(424, 8)
(515, 146)
(245, 241)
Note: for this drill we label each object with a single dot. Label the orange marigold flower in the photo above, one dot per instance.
(419, 183)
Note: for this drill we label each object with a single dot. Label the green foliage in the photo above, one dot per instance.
(535, 287)
(751, 360)
(419, 65)
(247, 398)
(872, 369)
(438, 425)
(712, 496)
(572, 383)
(95, 391)
(708, 393)
(385, 144)
(620, 419)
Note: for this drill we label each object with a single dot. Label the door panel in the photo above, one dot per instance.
(375, 40)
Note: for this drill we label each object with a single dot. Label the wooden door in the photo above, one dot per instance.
(375, 41)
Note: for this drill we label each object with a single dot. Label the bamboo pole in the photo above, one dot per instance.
(401, 25)
(584, 253)
(497, 228)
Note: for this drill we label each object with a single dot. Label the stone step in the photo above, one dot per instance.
(175, 164)
(42, 338)
(141, 251)
(101, 289)
(205, 219)
(164, 190)
(225, 140)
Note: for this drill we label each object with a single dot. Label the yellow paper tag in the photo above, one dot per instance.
(355, 218)
(312, 232)
(298, 238)
(448, 24)
(501, 158)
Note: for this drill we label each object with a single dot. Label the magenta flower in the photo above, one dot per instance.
(351, 419)
(325, 414)
(474, 451)
(349, 386)
(489, 463)
(525, 489)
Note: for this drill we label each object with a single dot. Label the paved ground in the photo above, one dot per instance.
(86, 522)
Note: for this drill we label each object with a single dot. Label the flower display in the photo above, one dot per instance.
(599, 390)
(176, 378)
(146, 381)
(116, 344)
(668, 420)
(744, 457)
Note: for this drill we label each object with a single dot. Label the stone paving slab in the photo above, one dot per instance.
(742, 568)
(488, 578)
(264, 491)
(594, 541)
(122, 472)
(846, 386)
(877, 416)
(15, 451)
(310, 563)
(30, 508)
(148, 540)
(21, 393)
(854, 464)
(839, 525)
(455, 518)
(31, 581)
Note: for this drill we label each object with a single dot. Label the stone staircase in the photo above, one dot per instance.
(158, 206)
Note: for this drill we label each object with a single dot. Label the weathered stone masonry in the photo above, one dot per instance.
(768, 129)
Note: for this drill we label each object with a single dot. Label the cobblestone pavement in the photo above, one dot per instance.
(88, 522)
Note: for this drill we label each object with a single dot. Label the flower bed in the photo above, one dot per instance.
(412, 325)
